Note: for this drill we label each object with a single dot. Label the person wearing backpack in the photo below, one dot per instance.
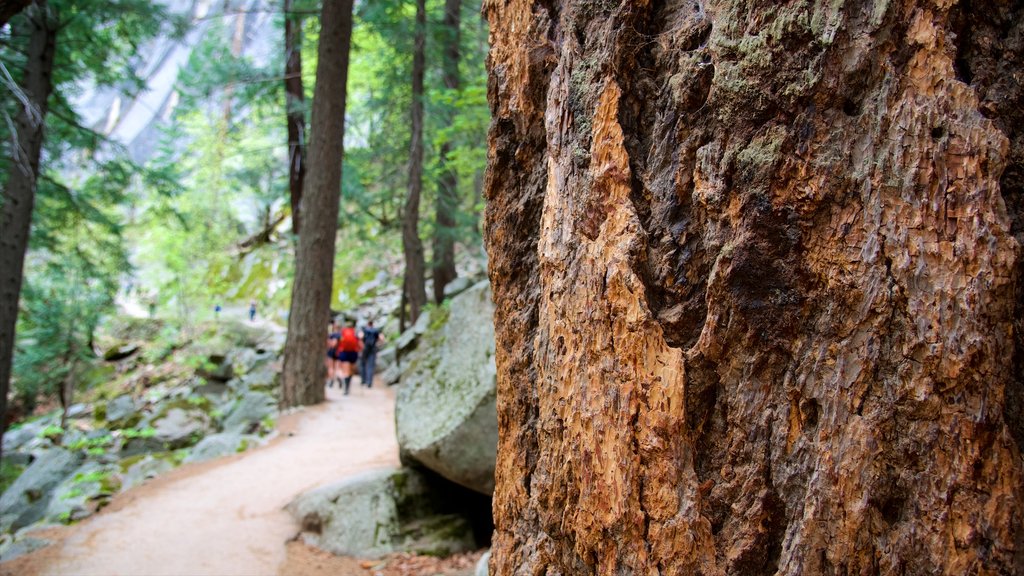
(333, 335)
(371, 338)
(347, 352)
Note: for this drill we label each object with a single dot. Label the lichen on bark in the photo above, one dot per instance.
(756, 286)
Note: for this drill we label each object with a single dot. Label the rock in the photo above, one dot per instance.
(445, 409)
(457, 286)
(122, 412)
(180, 428)
(137, 446)
(378, 513)
(215, 446)
(247, 413)
(406, 339)
(262, 379)
(120, 352)
(217, 368)
(17, 458)
(215, 392)
(18, 437)
(144, 469)
(758, 289)
(481, 565)
(27, 499)
(80, 494)
(79, 410)
(15, 548)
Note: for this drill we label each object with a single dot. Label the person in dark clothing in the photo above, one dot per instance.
(331, 362)
(371, 338)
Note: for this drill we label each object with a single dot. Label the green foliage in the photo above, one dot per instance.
(9, 472)
(76, 257)
(52, 432)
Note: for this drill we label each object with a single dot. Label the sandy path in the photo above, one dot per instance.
(226, 517)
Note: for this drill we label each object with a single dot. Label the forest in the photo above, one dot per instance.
(196, 205)
(714, 287)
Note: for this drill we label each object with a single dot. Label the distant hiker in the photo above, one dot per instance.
(216, 311)
(252, 310)
(347, 352)
(333, 335)
(371, 338)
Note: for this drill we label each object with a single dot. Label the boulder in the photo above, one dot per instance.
(215, 392)
(217, 368)
(141, 470)
(18, 547)
(16, 438)
(247, 413)
(137, 446)
(82, 492)
(262, 378)
(180, 428)
(120, 352)
(457, 286)
(379, 513)
(445, 410)
(215, 446)
(406, 339)
(27, 499)
(122, 412)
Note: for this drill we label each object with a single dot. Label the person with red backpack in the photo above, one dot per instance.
(347, 352)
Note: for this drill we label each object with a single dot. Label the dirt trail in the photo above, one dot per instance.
(226, 517)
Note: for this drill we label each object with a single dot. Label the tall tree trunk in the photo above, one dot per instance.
(295, 110)
(303, 377)
(19, 195)
(415, 280)
(447, 186)
(755, 278)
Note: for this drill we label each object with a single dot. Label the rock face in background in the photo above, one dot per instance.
(756, 284)
(445, 410)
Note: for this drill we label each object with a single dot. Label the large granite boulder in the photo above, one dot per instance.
(379, 513)
(27, 500)
(445, 410)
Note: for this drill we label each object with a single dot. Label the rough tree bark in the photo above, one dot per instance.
(303, 371)
(23, 171)
(757, 285)
(412, 246)
(295, 110)
(447, 203)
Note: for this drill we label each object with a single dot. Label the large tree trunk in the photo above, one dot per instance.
(414, 283)
(295, 110)
(303, 373)
(447, 202)
(755, 279)
(19, 194)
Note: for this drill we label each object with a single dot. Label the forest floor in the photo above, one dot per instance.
(227, 516)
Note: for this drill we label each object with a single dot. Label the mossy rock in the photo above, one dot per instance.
(379, 513)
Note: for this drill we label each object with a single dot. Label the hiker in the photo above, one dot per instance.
(347, 352)
(252, 310)
(333, 335)
(371, 338)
